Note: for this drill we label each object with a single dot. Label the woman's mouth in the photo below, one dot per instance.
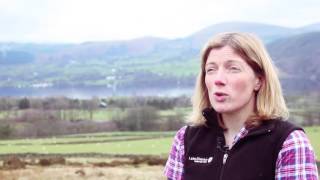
(220, 96)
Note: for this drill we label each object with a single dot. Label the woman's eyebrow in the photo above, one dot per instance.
(233, 61)
(210, 63)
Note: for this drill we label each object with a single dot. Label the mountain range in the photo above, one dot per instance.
(150, 62)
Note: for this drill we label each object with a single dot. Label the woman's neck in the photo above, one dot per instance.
(233, 123)
(236, 120)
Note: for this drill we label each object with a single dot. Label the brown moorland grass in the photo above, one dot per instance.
(61, 172)
(50, 168)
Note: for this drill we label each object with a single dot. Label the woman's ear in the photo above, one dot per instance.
(258, 83)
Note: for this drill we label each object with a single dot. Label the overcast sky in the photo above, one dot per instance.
(101, 20)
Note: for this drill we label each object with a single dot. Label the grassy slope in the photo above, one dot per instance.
(93, 72)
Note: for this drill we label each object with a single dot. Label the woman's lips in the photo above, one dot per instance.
(220, 96)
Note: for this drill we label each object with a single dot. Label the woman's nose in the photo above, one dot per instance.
(219, 83)
(220, 78)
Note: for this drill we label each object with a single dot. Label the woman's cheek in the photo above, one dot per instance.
(241, 86)
(208, 84)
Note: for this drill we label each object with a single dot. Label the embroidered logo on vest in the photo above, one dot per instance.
(201, 160)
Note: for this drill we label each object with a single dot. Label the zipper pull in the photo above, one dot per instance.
(226, 154)
(225, 157)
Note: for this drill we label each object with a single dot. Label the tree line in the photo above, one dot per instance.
(39, 117)
(51, 116)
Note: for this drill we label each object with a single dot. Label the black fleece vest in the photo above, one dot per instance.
(251, 158)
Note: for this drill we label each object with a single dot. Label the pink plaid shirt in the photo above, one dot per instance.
(296, 160)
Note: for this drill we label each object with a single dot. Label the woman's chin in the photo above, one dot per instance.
(221, 110)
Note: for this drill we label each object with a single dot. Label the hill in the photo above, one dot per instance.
(140, 64)
(298, 59)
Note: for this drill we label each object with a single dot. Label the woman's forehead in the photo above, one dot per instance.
(225, 54)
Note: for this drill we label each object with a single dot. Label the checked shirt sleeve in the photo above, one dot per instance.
(174, 166)
(296, 160)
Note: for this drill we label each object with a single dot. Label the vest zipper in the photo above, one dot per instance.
(226, 154)
(225, 157)
(224, 160)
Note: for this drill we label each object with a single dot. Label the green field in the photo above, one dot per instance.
(313, 134)
(88, 138)
(151, 146)
(98, 115)
(153, 143)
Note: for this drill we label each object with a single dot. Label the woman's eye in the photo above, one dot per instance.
(210, 70)
(234, 68)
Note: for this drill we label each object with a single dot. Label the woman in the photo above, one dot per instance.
(238, 129)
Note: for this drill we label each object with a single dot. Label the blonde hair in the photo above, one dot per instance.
(269, 103)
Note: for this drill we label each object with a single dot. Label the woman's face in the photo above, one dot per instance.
(230, 82)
